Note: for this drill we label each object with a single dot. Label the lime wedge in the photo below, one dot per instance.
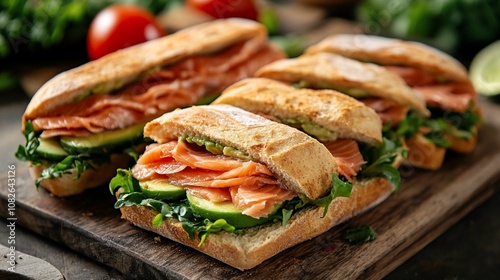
(484, 70)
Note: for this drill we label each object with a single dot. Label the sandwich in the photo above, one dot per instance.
(439, 78)
(86, 122)
(239, 187)
(399, 107)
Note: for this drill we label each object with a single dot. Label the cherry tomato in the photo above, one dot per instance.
(226, 8)
(119, 26)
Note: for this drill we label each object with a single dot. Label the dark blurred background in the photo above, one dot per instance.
(39, 38)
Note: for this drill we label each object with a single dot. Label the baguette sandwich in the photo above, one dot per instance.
(438, 77)
(399, 107)
(240, 187)
(85, 123)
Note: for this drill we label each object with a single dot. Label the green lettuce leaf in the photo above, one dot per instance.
(360, 235)
(124, 179)
(28, 151)
(80, 163)
(380, 161)
(340, 188)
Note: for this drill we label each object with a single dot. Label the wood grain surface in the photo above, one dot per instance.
(427, 204)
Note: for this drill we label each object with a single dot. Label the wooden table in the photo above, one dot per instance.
(470, 249)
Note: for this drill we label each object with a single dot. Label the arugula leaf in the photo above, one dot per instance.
(380, 161)
(211, 227)
(180, 210)
(28, 151)
(339, 189)
(125, 180)
(359, 235)
(460, 124)
(79, 162)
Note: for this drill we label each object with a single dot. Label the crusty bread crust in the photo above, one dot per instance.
(388, 51)
(332, 110)
(259, 243)
(299, 161)
(66, 185)
(460, 145)
(125, 65)
(424, 154)
(329, 70)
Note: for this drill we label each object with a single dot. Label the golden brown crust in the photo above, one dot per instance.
(424, 154)
(460, 145)
(299, 161)
(126, 64)
(327, 70)
(388, 51)
(337, 112)
(259, 243)
(66, 185)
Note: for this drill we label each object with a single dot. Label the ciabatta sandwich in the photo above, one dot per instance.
(438, 77)
(239, 187)
(398, 106)
(84, 123)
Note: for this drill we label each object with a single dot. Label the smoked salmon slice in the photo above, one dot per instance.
(250, 185)
(258, 202)
(388, 110)
(454, 97)
(347, 157)
(450, 96)
(175, 86)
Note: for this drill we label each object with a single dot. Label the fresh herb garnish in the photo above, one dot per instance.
(380, 161)
(360, 235)
(340, 188)
(440, 123)
(193, 223)
(80, 163)
(73, 162)
(180, 210)
(28, 151)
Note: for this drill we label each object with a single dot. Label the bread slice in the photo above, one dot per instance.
(123, 66)
(423, 153)
(299, 161)
(358, 79)
(66, 185)
(388, 51)
(332, 110)
(256, 244)
(459, 145)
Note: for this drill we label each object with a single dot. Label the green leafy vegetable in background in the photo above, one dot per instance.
(33, 24)
(446, 24)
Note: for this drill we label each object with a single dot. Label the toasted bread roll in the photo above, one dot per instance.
(334, 111)
(326, 70)
(116, 69)
(256, 244)
(388, 51)
(299, 161)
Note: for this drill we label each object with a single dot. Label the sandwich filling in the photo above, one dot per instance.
(352, 158)
(118, 107)
(221, 188)
(160, 90)
(452, 105)
(249, 185)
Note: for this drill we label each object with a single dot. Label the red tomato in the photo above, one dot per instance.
(226, 8)
(119, 26)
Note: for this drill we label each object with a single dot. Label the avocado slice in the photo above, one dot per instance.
(223, 210)
(161, 190)
(103, 142)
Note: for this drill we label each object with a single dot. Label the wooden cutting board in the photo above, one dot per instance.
(427, 204)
